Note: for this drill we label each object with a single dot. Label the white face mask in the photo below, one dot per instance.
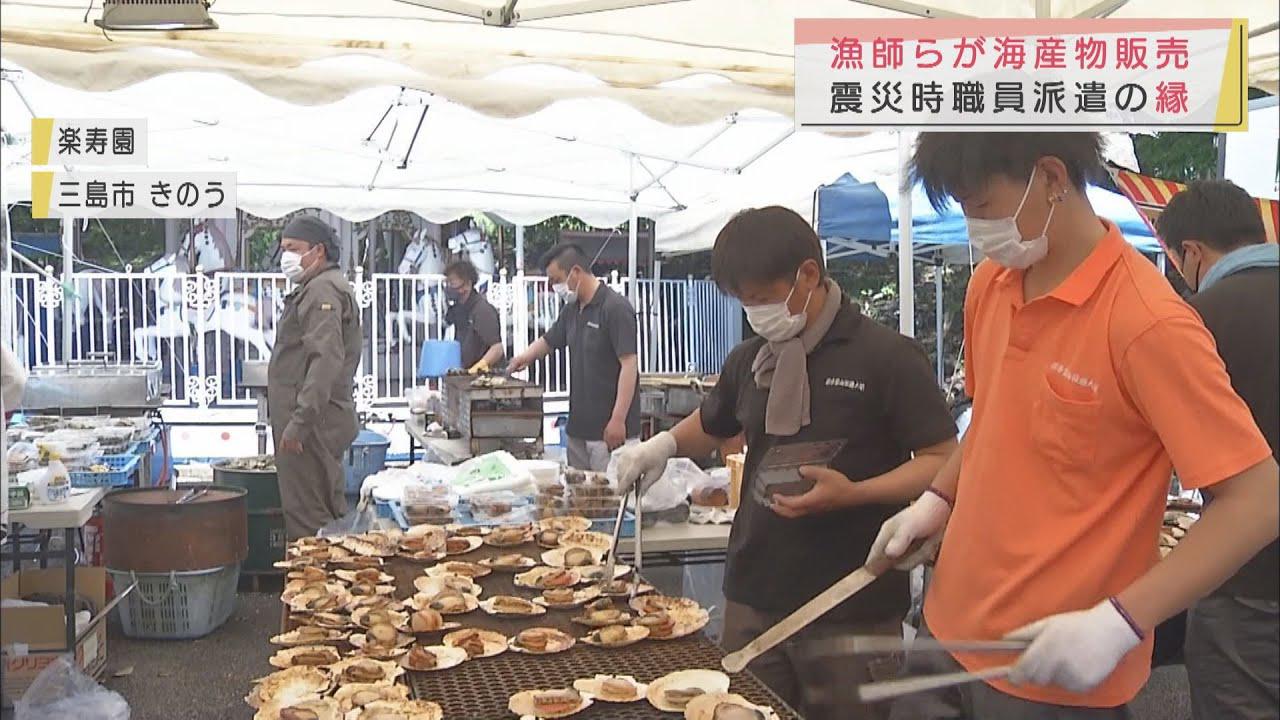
(291, 264)
(774, 322)
(1001, 240)
(563, 292)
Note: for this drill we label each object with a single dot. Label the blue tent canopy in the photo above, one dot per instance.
(861, 219)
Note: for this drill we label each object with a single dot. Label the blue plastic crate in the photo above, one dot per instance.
(144, 446)
(119, 475)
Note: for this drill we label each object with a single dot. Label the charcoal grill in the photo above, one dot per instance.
(506, 414)
(479, 689)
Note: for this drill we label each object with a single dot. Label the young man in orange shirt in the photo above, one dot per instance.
(1091, 381)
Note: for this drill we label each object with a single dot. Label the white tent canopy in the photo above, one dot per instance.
(287, 48)
(575, 157)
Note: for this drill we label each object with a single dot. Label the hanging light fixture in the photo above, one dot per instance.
(155, 15)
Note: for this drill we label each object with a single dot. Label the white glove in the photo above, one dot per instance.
(645, 462)
(924, 519)
(1075, 650)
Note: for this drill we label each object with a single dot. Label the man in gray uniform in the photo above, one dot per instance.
(311, 377)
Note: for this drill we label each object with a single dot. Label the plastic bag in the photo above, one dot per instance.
(62, 692)
(492, 472)
(672, 489)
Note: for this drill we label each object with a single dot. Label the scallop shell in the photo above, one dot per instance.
(458, 567)
(507, 537)
(431, 533)
(341, 671)
(495, 643)
(522, 704)
(288, 686)
(557, 642)
(525, 563)
(490, 606)
(567, 523)
(635, 634)
(432, 586)
(286, 658)
(422, 600)
(374, 602)
(399, 710)
(357, 695)
(361, 546)
(584, 595)
(309, 635)
(619, 619)
(534, 578)
(445, 626)
(358, 562)
(325, 708)
(704, 707)
(446, 657)
(625, 590)
(592, 686)
(588, 539)
(395, 617)
(712, 681)
(594, 573)
(329, 620)
(349, 576)
(687, 624)
(364, 646)
(663, 603)
(473, 544)
(308, 573)
(555, 558)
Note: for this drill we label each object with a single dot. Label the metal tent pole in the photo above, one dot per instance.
(906, 251)
(68, 294)
(938, 268)
(519, 250)
(632, 238)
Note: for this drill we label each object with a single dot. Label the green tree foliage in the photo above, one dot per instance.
(1181, 157)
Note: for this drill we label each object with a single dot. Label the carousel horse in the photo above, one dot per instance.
(237, 311)
(422, 257)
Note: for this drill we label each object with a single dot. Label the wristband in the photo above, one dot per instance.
(1127, 618)
(951, 503)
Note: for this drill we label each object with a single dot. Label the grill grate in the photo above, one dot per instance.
(480, 689)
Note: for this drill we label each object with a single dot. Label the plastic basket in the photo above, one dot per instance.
(176, 605)
(119, 474)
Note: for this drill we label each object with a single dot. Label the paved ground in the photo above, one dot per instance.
(207, 679)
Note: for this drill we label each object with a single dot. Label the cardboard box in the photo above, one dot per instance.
(33, 637)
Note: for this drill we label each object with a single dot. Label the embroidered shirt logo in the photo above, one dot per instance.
(593, 325)
(1074, 377)
(846, 383)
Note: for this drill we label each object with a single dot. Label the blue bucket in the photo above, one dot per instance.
(438, 358)
(367, 455)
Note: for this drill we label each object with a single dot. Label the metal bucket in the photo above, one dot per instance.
(149, 531)
(265, 517)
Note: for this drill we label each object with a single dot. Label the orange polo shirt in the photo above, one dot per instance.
(1084, 400)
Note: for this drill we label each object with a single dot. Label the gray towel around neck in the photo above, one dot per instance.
(783, 369)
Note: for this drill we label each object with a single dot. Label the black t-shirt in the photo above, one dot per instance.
(475, 326)
(1242, 311)
(869, 386)
(597, 336)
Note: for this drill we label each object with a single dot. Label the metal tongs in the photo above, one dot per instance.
(191, 495)
(612, 558)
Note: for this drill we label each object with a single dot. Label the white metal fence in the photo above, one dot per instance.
(201, 328)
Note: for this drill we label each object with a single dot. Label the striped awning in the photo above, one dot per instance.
(1151, 195)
